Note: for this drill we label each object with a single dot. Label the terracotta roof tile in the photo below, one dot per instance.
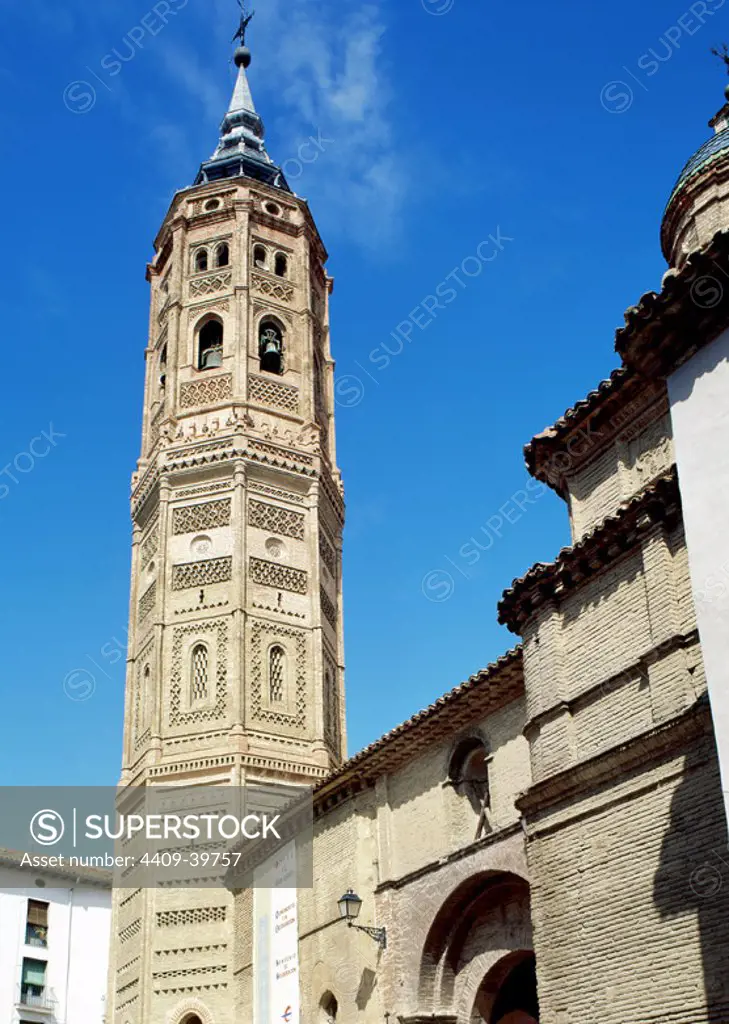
(665, 328)
(400, 743)
(607, 541)
(551, 437)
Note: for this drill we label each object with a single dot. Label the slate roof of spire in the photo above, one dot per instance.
(241, 151)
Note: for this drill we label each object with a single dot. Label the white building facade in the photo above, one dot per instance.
(54, 944)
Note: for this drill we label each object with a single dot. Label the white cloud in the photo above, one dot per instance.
(320, 66)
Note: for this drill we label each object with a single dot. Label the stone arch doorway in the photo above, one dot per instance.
(478, 954)
(508, 993)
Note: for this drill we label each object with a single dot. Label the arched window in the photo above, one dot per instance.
(210, 345)
(163, 366)
(276, 674)
(199, 673)
(270, 347)
(469, 775)
(222, 255)
(331, 710)
(259, 257)
(201, 260)
(281, 265)
(328, 1009)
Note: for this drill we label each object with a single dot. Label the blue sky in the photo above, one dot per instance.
(444, 126)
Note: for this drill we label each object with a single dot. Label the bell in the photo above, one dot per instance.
(271, 354)
(211, 358)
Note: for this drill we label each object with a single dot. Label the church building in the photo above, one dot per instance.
(547, 842)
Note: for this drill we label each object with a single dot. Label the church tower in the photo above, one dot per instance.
(235, 667)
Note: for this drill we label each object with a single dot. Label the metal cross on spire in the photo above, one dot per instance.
(722, 54)
(245, 20)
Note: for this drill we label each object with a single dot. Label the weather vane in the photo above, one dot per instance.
(245, 20)
(722, 54)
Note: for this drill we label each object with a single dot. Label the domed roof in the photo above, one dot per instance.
(686, 225)
(713, 149)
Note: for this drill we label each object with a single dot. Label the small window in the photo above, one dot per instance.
(276, 674)
(210, 346)
(328, 1009)
(199, 674)
(36, 924)
(212, 204)
(259, 257)
(469, 775)
(201, 260)
(33, 983)
(271, 208)
(270, 347)
(163, 366)
(222, 255)
(281, 265)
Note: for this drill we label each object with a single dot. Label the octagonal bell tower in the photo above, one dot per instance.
(235, 668)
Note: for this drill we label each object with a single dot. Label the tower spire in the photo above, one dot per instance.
(241, 150)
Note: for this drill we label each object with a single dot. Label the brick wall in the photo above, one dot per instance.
(630, 898)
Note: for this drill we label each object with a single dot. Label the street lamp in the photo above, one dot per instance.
(349, 907)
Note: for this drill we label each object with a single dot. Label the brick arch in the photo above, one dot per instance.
(190, 1008)
(485, 918)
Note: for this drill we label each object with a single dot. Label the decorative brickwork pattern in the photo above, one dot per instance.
(206, 516)
(193, 492)
(130, 931)
(331, 706)
(276, 520)
(275, 492)
(276, 670)
(199, 680)
(272, 289)
(217, 629)
(147, 601)
(194, 915)
(327, 554)
(210, 284)
(202, 574)
(282, 577)
(260, 636)
(273, 394)
(328, 608)
(150, 544)
(206, 392)
(155, 425)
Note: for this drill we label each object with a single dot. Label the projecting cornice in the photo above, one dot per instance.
(658, 503)
(692, 308)
(661, 742)
(590, 426)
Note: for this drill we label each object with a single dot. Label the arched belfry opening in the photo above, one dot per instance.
(210, 345)
(270, 347)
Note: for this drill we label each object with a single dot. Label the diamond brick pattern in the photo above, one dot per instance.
(205, 516)
(276, 520)
(283, 577)
(271, 393)
(206, 392)
(201, 574)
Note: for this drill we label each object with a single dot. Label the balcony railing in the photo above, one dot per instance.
(35, 998)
